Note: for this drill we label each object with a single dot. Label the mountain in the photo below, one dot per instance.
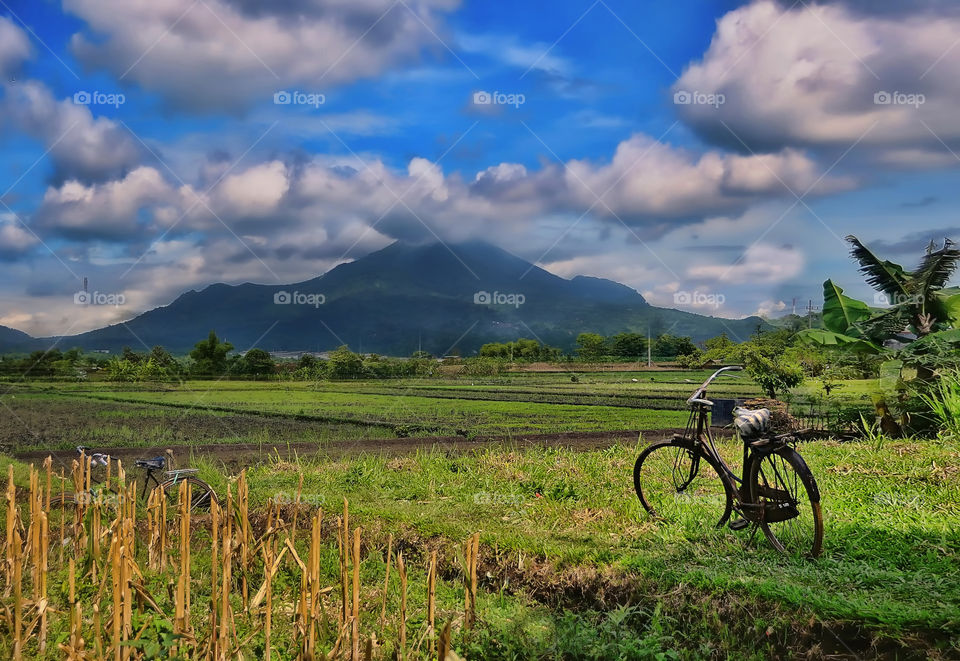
(13, 340)
(406, 296)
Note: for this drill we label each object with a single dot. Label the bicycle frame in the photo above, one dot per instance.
(698, 431)
(98, 460)
(150, 476)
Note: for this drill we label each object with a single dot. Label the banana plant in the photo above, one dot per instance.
(921, 304)
(917, 331)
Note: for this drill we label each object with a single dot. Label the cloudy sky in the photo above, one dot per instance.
(716, 147)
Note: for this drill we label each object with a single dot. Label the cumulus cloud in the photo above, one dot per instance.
(647, 180)
(112, 210)
(648, 185)
(82, 147)
(828, 75)
(221, 54)
(14, 46)
(761, 263)
(15, 240)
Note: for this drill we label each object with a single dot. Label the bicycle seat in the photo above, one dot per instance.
(157, 463)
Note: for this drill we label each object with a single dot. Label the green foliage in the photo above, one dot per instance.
(482, 366)
(626, 632)
(344, 364)
(209, 356)
(257, 363)
(156, 638)
(841, 313)
(766, 360)
(628, 345)
(693, 360)
(668, 346)
(719, 348)
(520, 350)
(591, 346)
(943, 401)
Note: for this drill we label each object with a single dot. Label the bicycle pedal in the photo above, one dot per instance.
(738, 524)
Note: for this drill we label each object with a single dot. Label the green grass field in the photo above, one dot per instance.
(572, 567)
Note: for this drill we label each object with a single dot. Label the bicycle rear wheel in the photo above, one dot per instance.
(789, 513)
(201, 493)
(676, 482)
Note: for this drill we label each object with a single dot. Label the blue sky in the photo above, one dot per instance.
(721, 149)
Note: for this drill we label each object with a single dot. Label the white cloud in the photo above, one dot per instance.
(110, 210)
(221, 54)
(808, 76)
(81, 146)
(508, 50)
(761, 263)
(14, 239)
(254, 192)
(769, 309)
(14, 46)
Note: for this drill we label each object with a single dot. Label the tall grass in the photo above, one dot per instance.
(234, 579)
(944, 402)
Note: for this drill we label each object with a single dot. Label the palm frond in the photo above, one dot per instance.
(883, 275)
(936, 268)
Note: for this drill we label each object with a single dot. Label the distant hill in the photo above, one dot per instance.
(13, 340)
(406, 296)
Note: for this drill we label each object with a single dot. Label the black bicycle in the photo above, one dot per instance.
(108, 491)
(775, 493)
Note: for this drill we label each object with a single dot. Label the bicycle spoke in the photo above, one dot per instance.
(779, 488)
(676, 485)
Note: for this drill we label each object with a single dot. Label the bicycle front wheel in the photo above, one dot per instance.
(676, 482)
(201, 493)
(789, 503)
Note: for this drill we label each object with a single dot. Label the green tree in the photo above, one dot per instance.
(766, 359)
(629, 345)
(210, 355)
(719, 348)
(257, 363)
(591, 346)
(163, 358)
(668, 346)
(344, 364)
(131, 356)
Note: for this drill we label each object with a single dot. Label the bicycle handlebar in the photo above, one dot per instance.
(97, 458)
(698, 395)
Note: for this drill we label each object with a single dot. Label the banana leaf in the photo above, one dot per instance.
(841, 312)
(827, 338)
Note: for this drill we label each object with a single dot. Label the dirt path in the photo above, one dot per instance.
(235, 456)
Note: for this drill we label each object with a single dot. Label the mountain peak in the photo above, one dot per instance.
(442, 296)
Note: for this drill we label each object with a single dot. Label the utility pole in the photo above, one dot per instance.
(649, 362)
